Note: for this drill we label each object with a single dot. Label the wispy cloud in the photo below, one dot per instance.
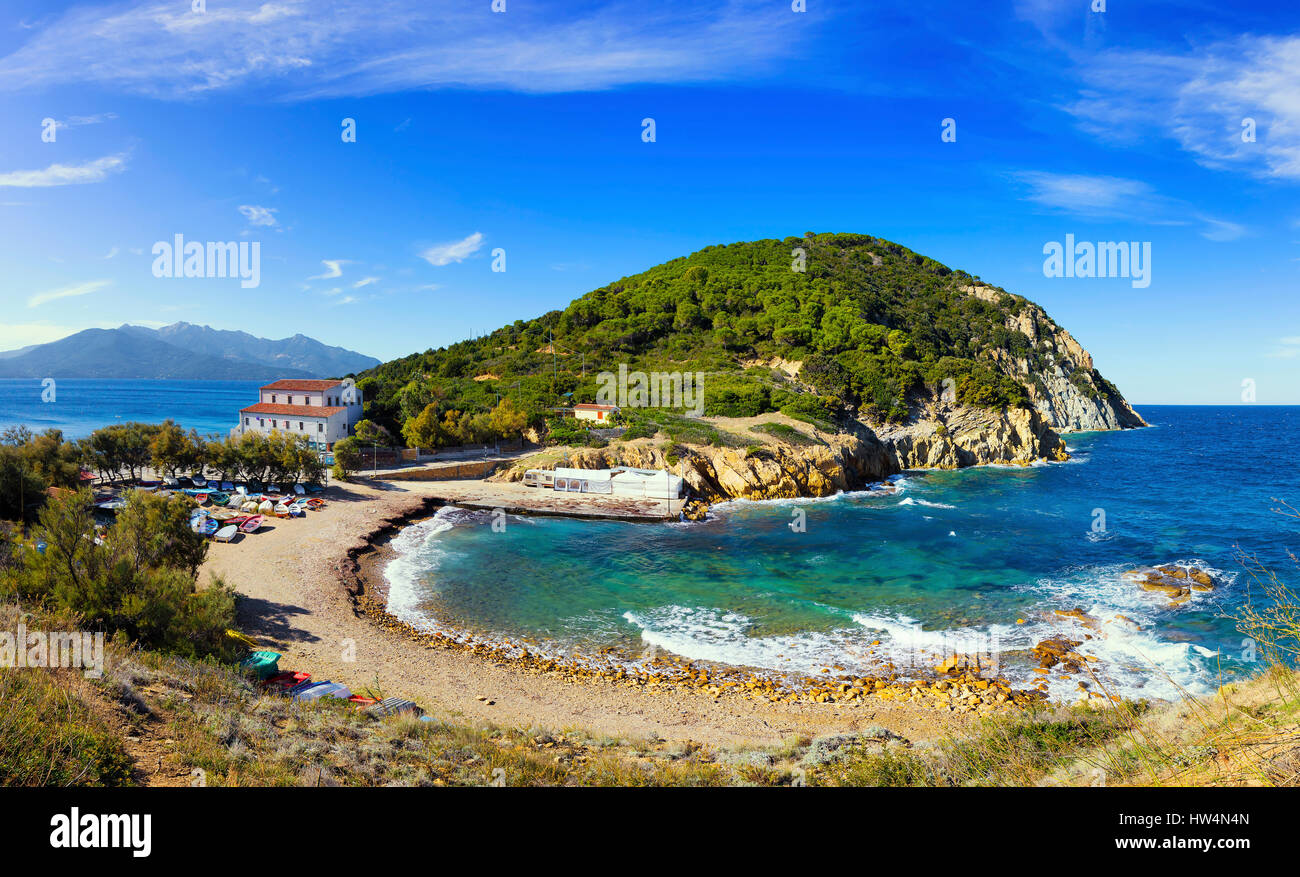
(1288, 348)
(333, 269)
(365, 281)
(66, 174)
(1086, 194)
(359, 47)
(1200, 99)
(79, 121)
(453, 251)
(67, 292)
(258, 215)
(1097, 197)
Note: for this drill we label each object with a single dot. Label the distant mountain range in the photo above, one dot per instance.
(181, 351)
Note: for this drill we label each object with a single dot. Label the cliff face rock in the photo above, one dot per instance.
(952, 437)
(1064, 386)
(943, 437)
(846, 462)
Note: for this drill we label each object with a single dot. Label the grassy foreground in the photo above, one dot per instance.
(154, 719)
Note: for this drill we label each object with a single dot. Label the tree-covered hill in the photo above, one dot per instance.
(871, 322)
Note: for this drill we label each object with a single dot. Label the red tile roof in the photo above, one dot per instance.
(292, 410)
(308, 386)
(588, 406)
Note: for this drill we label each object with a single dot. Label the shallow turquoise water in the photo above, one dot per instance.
(948, 563)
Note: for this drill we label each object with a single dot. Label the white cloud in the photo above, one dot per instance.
(1103, 197)
(303, 48)
(453, 251)
(1200, 99)
(334, 268)
(67, 292)
(1289, 348)
(111, 254)
(258, 215)
(1086, 194)
(1221, 230)
(66, 174)
(365, 281)
(79, 121)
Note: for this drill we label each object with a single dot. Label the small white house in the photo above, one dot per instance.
(620, 481)
(598, 413)
(323, 412)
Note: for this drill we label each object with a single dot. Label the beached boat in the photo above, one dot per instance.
(214, 485)
(251, 525)
(228, 486)
(300, 490)
(315, 504)
(219, 498)
(198, 522)
(210, 527)
(264, 663)
(226, 533)
(250, 506)
(286, 680)
(281, 511)
(266, 507)
(323, 689)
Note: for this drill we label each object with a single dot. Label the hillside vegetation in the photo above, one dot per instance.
(870, 321)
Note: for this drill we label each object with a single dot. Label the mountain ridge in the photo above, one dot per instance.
(180, 351)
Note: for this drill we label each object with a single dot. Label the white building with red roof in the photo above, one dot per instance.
(323, 412)
(598, 413)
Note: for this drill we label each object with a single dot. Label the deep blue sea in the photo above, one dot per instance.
(951, 563)
(79, 407)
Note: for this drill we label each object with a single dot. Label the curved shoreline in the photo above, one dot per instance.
(959, 689)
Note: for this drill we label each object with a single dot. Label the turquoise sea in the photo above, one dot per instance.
(79, 407)
(949, 563)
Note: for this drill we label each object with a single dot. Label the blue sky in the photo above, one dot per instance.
(522, 131)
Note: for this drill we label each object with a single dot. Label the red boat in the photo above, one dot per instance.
(287, 680)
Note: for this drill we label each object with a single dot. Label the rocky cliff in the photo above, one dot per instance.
(1063, 384)
(946, 437)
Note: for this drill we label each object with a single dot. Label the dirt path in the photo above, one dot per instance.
(295, 601)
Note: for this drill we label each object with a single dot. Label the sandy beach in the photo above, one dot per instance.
(294, 577)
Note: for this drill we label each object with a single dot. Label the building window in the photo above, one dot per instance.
(261, 422)
(245, 421)
(272, 398)
(320, 427)
(300, 427)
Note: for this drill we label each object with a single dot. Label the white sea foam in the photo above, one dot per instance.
(416, 552)
(911, 500)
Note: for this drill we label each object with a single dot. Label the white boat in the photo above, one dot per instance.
(300, 490)
(226, 533)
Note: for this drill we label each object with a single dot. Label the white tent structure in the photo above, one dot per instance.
(620, 481)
